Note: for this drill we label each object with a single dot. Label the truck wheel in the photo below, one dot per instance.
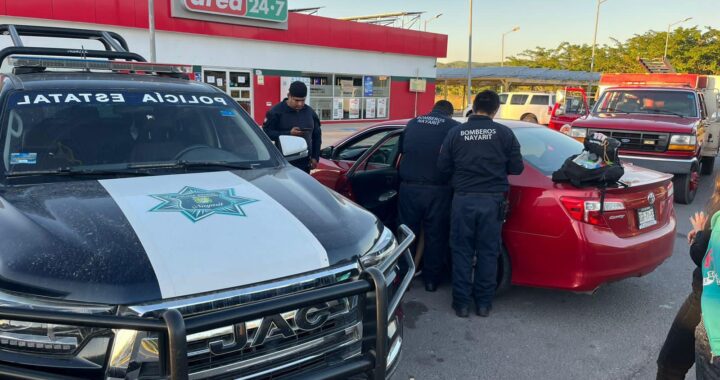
(530, 118)
(686, 186)
(707, 165)
(504, 272)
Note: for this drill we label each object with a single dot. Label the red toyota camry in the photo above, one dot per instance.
(555, 235)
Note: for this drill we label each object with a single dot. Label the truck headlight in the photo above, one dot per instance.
(683, 142)
(384, 246)
(579, 134)
(46, 338)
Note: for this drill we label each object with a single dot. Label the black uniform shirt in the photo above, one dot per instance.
(420, 145)
(280, 119)
(479, 155)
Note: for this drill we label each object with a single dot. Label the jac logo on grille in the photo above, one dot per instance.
(273, 327)
(235, 8)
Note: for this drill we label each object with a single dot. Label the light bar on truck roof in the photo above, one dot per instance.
(97, 64)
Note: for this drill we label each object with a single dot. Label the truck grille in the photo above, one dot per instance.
(638, 141)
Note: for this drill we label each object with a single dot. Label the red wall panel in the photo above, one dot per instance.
(269, 92)
(302, 29)
(402, 101)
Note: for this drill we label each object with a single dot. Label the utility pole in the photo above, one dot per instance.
(151, 16)
(502, 53)
(597, 20)
(469, 65)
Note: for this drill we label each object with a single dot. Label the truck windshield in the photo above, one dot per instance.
(50, 131)
(546, 149)
(669, 102)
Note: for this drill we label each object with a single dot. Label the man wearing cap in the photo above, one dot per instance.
(425, 197)
(295, 118)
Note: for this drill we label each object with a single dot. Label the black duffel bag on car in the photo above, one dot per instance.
(597, 166)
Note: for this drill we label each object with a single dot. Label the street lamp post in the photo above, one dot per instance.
(597, 20)
(667, 36)
(151, 22)
(469, 64)
(430, 19)
(502, 53)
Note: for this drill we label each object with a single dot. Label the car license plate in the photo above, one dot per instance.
(646, 217)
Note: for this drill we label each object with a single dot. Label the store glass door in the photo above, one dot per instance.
(236, 83)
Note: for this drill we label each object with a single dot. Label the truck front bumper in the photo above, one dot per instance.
(379, 289)
(665, 165)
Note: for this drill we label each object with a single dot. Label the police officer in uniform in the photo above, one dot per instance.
(425, 197)
(479, 155)
(293, 117)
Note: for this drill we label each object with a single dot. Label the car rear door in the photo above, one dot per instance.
(374, 178)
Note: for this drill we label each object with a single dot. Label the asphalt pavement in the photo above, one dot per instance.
(615, 333)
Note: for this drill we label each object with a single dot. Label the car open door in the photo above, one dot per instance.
(572, 104)
(374, 179)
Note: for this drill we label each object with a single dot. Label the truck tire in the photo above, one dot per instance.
(504, 272)
(686, 186)
(530, 118)
(704, 369)
(707, 165)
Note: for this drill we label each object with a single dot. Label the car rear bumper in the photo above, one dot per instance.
(608, 258)
(665, 165)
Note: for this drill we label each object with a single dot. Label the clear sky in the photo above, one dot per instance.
(544, 23)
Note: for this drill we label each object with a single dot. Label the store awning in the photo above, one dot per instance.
(519, 76)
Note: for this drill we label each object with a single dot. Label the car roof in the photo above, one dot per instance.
(651, 88)
(508, 123)
(95, 81)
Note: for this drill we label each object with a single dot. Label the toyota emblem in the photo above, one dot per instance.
(651, 198)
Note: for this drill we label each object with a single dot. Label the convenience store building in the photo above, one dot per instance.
(253, 49)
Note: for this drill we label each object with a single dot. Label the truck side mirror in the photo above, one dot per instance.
(293, 147)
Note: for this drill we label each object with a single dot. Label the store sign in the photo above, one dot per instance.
(261, 13)
(418, 85)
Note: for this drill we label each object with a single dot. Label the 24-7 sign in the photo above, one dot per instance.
(267, 10)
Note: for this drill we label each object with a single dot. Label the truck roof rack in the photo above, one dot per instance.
(115, 46)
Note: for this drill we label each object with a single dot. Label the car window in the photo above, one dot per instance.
(353, 151)
(518, 99)
(65, 129)
(681, 103)
(546, 149)
(503, 98)
(384, 156)
(543, 100)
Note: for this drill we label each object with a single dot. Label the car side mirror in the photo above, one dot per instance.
(327, 152)
(293, 147)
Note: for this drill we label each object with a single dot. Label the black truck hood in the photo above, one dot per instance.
(133, 240)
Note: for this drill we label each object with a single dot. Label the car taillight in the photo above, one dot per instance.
(588, 211)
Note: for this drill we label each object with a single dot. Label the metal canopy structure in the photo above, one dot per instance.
(517, 75)
(307, 11)
(406, 20)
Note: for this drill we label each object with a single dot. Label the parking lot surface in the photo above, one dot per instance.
(615, 333)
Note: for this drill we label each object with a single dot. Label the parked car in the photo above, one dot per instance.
(151, 230)
(555, 236)
(533, 107)
(571, 104)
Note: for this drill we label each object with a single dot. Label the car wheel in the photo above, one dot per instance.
(686, 186)
(530, 118)
(504, 272)
(708, 165)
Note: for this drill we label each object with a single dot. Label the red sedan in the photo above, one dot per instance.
(555, 235)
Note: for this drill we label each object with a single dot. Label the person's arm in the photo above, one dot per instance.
(515, 165)
(445, 163)
(270, 126)
(699, 246)
(316, 138)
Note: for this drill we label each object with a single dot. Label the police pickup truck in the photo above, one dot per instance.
(151, 230)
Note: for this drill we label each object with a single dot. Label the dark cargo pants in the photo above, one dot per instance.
(427, 207)
(475, 232)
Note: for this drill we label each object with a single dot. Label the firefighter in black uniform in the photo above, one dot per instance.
(293, 117)
(425, 198)
(478, 155)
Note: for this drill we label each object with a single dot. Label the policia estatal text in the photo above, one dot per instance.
(425, 196)
(478, 156)
(293, 117)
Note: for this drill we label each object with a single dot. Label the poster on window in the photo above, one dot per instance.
(347, 87)
(370, 108)
(368, 86)
(337, 108)
(285, 86)
(354, 108)
(381, 108)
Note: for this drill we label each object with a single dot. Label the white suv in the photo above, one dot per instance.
(534, 107)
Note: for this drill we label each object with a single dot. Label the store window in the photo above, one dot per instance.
(348, 97)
